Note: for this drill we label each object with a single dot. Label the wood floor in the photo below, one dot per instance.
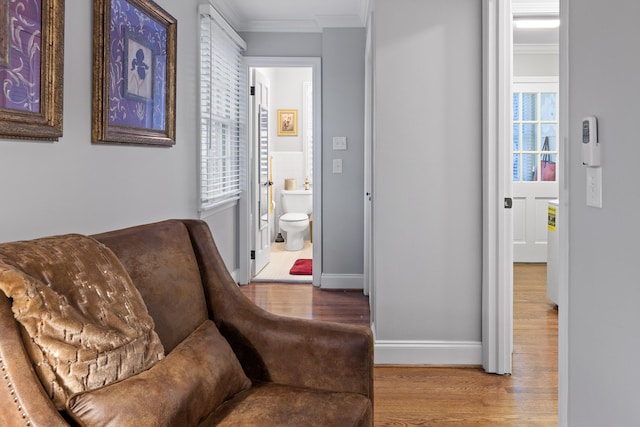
(445, 396)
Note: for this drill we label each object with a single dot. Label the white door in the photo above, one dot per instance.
(261, 194)
(535, 156)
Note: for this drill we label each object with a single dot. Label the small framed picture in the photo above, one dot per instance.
(287, 122)
(138, 72)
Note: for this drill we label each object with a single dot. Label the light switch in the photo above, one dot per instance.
(339, 142)
(594, 187)
(337, 165)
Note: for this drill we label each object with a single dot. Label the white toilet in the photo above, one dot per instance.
(297, 206)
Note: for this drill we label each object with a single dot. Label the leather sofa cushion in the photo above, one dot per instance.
(85, 323)
(271, 404)
(161, 263)
(181, 390)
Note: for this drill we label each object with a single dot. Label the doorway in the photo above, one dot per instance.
(283, 160)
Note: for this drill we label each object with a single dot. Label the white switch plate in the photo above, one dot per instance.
(337, 165)
(594, 187)
(339, 142)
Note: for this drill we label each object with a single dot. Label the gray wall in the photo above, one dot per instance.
(604, 290)
(534, 65)
(74, 186)
(428, 170)
(342, 54)
(343, 115)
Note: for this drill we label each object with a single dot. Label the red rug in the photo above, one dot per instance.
(302, 266)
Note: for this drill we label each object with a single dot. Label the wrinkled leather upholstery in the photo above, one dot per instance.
(298, 368)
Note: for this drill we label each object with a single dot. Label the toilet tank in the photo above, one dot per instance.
(298, 201)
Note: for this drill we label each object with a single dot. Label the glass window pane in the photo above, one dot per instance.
(529, 137)
(529, 166)
(516, 137)
(548, 167)
(516, 167)
(548, 107)
(550, 131)
(516, 106)
(530, 106)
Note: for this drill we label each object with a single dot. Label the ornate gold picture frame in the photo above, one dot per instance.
(31, 69)
(134, 87)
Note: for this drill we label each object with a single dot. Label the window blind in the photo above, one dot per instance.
(222, 118)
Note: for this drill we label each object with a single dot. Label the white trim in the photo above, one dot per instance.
(536, 80)
(208, 9)
(213, 209)
(341, 281)
(230, 12)
(427, 352)
(497, 274)
(535, 9)
(236, 274)
(565, 186)
(536, 49)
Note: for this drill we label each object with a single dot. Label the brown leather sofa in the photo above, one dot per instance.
(293, 372)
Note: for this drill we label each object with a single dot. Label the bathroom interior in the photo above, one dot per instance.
(291, 172)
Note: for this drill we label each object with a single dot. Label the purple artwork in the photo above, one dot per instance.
(137, 68)
(20, 49)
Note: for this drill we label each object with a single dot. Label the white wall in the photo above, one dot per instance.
(74, 186)
(428, 181)
(604, 290)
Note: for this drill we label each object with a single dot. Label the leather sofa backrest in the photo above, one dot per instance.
(160, 260)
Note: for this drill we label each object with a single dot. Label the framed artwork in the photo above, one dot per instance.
(31, 69)
(287, 122)
(134, 73)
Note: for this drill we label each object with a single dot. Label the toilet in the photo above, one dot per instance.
(297, 206)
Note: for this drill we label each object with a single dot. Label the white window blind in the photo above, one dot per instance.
(222, 118)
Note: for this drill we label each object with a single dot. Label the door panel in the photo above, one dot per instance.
(262, 214)
(530, 220)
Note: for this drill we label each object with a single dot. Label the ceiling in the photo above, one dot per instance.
(314, 15)
(292, 15)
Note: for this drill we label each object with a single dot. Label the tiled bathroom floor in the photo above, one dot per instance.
(281, 261)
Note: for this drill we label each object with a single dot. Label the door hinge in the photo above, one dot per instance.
(508, 202)
(253, 255)
(253, 91)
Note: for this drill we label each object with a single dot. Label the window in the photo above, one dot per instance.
(535, 132)
(222, 117)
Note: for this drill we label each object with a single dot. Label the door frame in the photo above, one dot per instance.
(564, 249)
(497, 228)
(245, 212)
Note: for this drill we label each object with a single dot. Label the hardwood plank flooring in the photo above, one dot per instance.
(444, 396)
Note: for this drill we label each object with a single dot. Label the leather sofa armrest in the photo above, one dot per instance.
(22, 398)
(271, 348)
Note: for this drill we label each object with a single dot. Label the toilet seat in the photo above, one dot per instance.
(294, 217)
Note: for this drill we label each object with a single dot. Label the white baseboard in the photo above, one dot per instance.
(235, 274)
(427, 352)
(342, 281)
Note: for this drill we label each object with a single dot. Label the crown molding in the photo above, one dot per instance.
(536, 9)
(281, 26)
(536, 49)
(229, 10)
